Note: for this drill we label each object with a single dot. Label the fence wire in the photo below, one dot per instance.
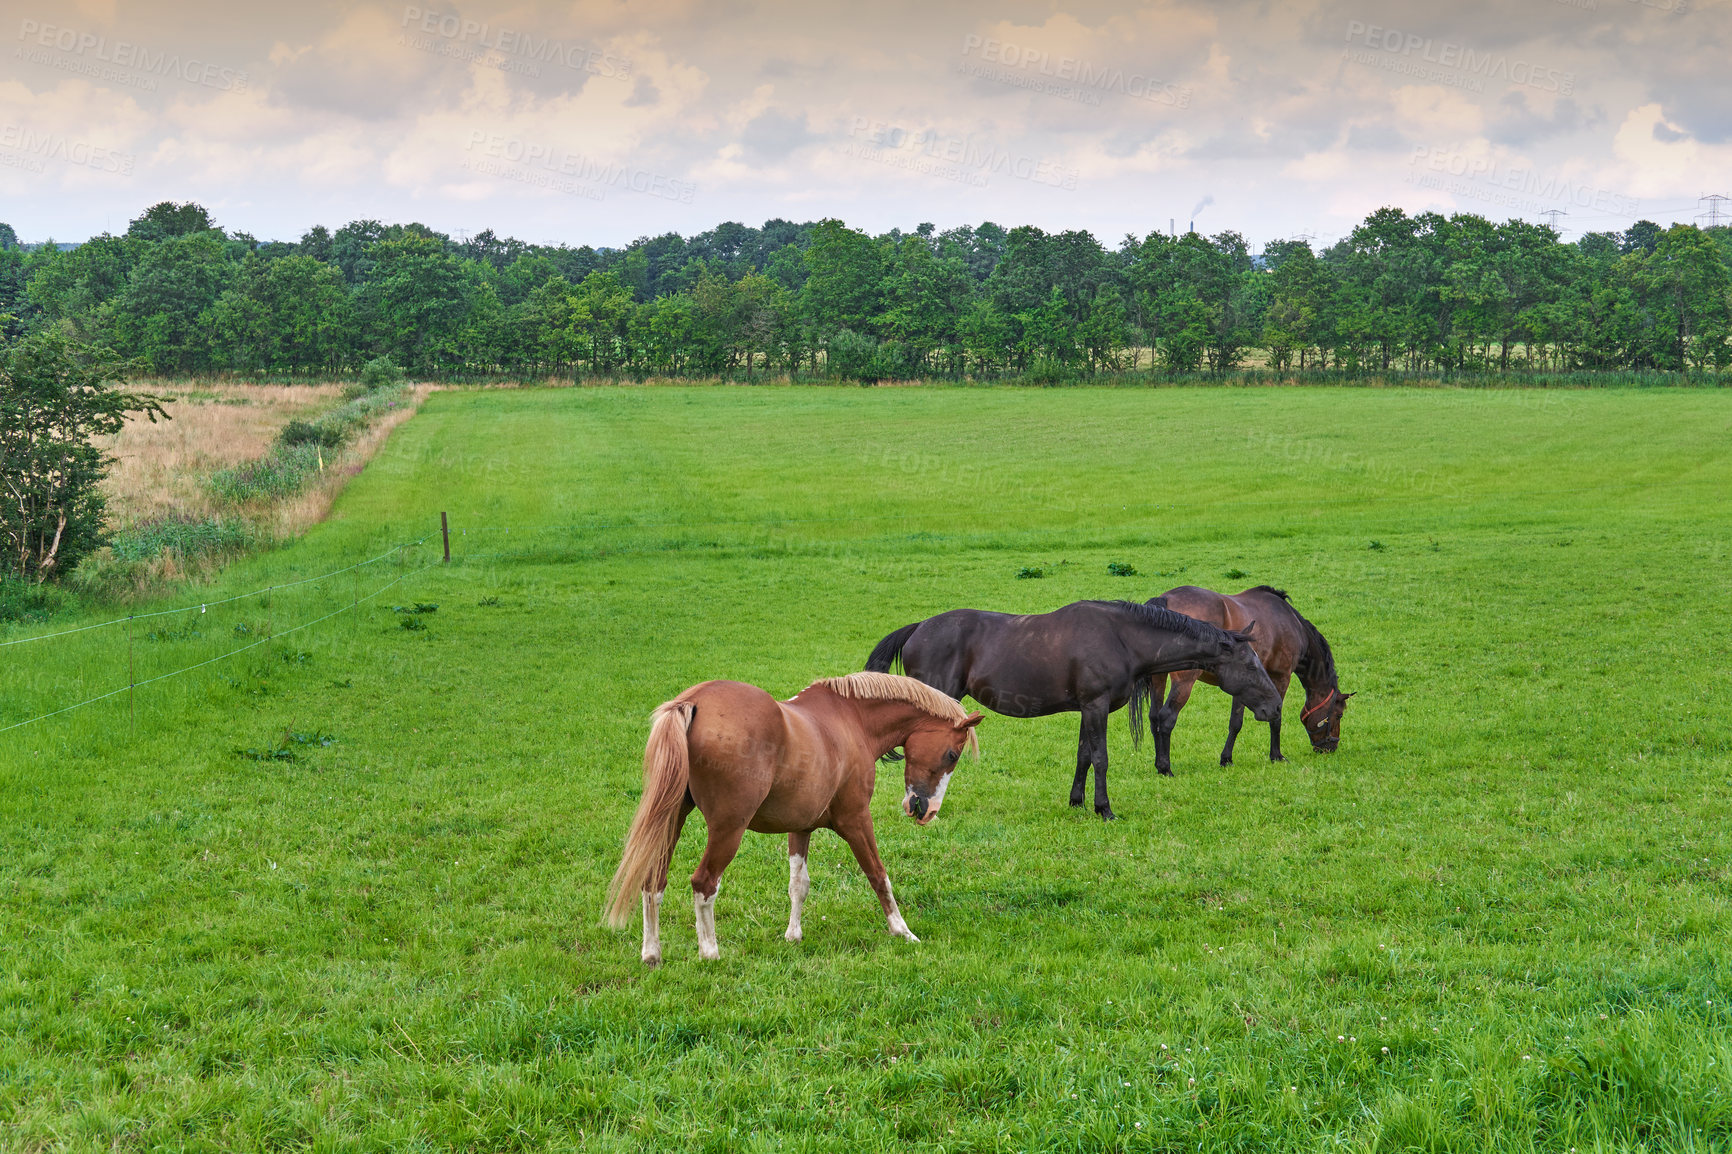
(275, 635)
(204, 605)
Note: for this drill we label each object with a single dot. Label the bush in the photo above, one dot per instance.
(26, 602)
(853, 357)
(281, 473)
(381, 373)
(183, 536)
(299, 432)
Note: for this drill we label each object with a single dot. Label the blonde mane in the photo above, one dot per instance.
(894, 687)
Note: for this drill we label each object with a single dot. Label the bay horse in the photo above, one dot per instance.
(1286, 643)
(747, 761)
(1090, 657)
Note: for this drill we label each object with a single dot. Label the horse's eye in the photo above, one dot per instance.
(950, 755)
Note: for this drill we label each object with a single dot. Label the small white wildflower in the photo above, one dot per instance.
(1527, 1057)
(1386, 1049)
(1341, 1037)
(1193, 1081)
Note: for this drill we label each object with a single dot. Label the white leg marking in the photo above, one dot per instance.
(799, 885)
(652, 928)
(706, 911)
(897, 925)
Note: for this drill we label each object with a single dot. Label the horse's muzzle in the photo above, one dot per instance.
(916, 806)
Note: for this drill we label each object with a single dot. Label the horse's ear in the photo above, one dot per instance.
(971, 721)
(1246, 632)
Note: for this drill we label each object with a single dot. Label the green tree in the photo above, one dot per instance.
(160, 318)
(1690, 293)
(55, 399)
(415, 301)
(844, 279)
(166, 220)
(924, 296)
(290, 315)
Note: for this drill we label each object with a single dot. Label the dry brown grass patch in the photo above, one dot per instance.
(160, 468)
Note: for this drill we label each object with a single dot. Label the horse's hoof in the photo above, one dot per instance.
(1277, 757)
(792, 936)
(1107, 815)
(1076, 802)
(1166, 770)
(652, 960)
(1226, 761)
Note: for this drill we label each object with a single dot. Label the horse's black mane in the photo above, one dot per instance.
(1317, 664)
(1156, 614)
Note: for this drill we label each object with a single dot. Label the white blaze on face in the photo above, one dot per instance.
(932, 803)
(938, 794)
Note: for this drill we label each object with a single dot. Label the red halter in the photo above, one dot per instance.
(1327, 698)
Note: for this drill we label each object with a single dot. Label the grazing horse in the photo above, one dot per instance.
(1091, 657)
(1286, 643)
(748, 761)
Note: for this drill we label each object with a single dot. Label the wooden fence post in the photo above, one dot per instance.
(445, 532)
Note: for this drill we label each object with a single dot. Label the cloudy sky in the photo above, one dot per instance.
(597, 122)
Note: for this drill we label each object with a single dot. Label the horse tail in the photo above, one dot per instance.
(666, 770)
(1142, 693)
(888, 652)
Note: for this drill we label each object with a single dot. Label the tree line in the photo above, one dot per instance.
(175, 294)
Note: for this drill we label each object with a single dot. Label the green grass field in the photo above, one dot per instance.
(1497, 919)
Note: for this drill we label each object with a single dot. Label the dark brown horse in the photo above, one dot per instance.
(1092, 657)
(748, 761)
(1286, 643)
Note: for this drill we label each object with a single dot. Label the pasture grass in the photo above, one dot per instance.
(341, 891)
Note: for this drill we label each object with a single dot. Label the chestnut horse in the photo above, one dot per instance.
(748, 761)
(1285, 642)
